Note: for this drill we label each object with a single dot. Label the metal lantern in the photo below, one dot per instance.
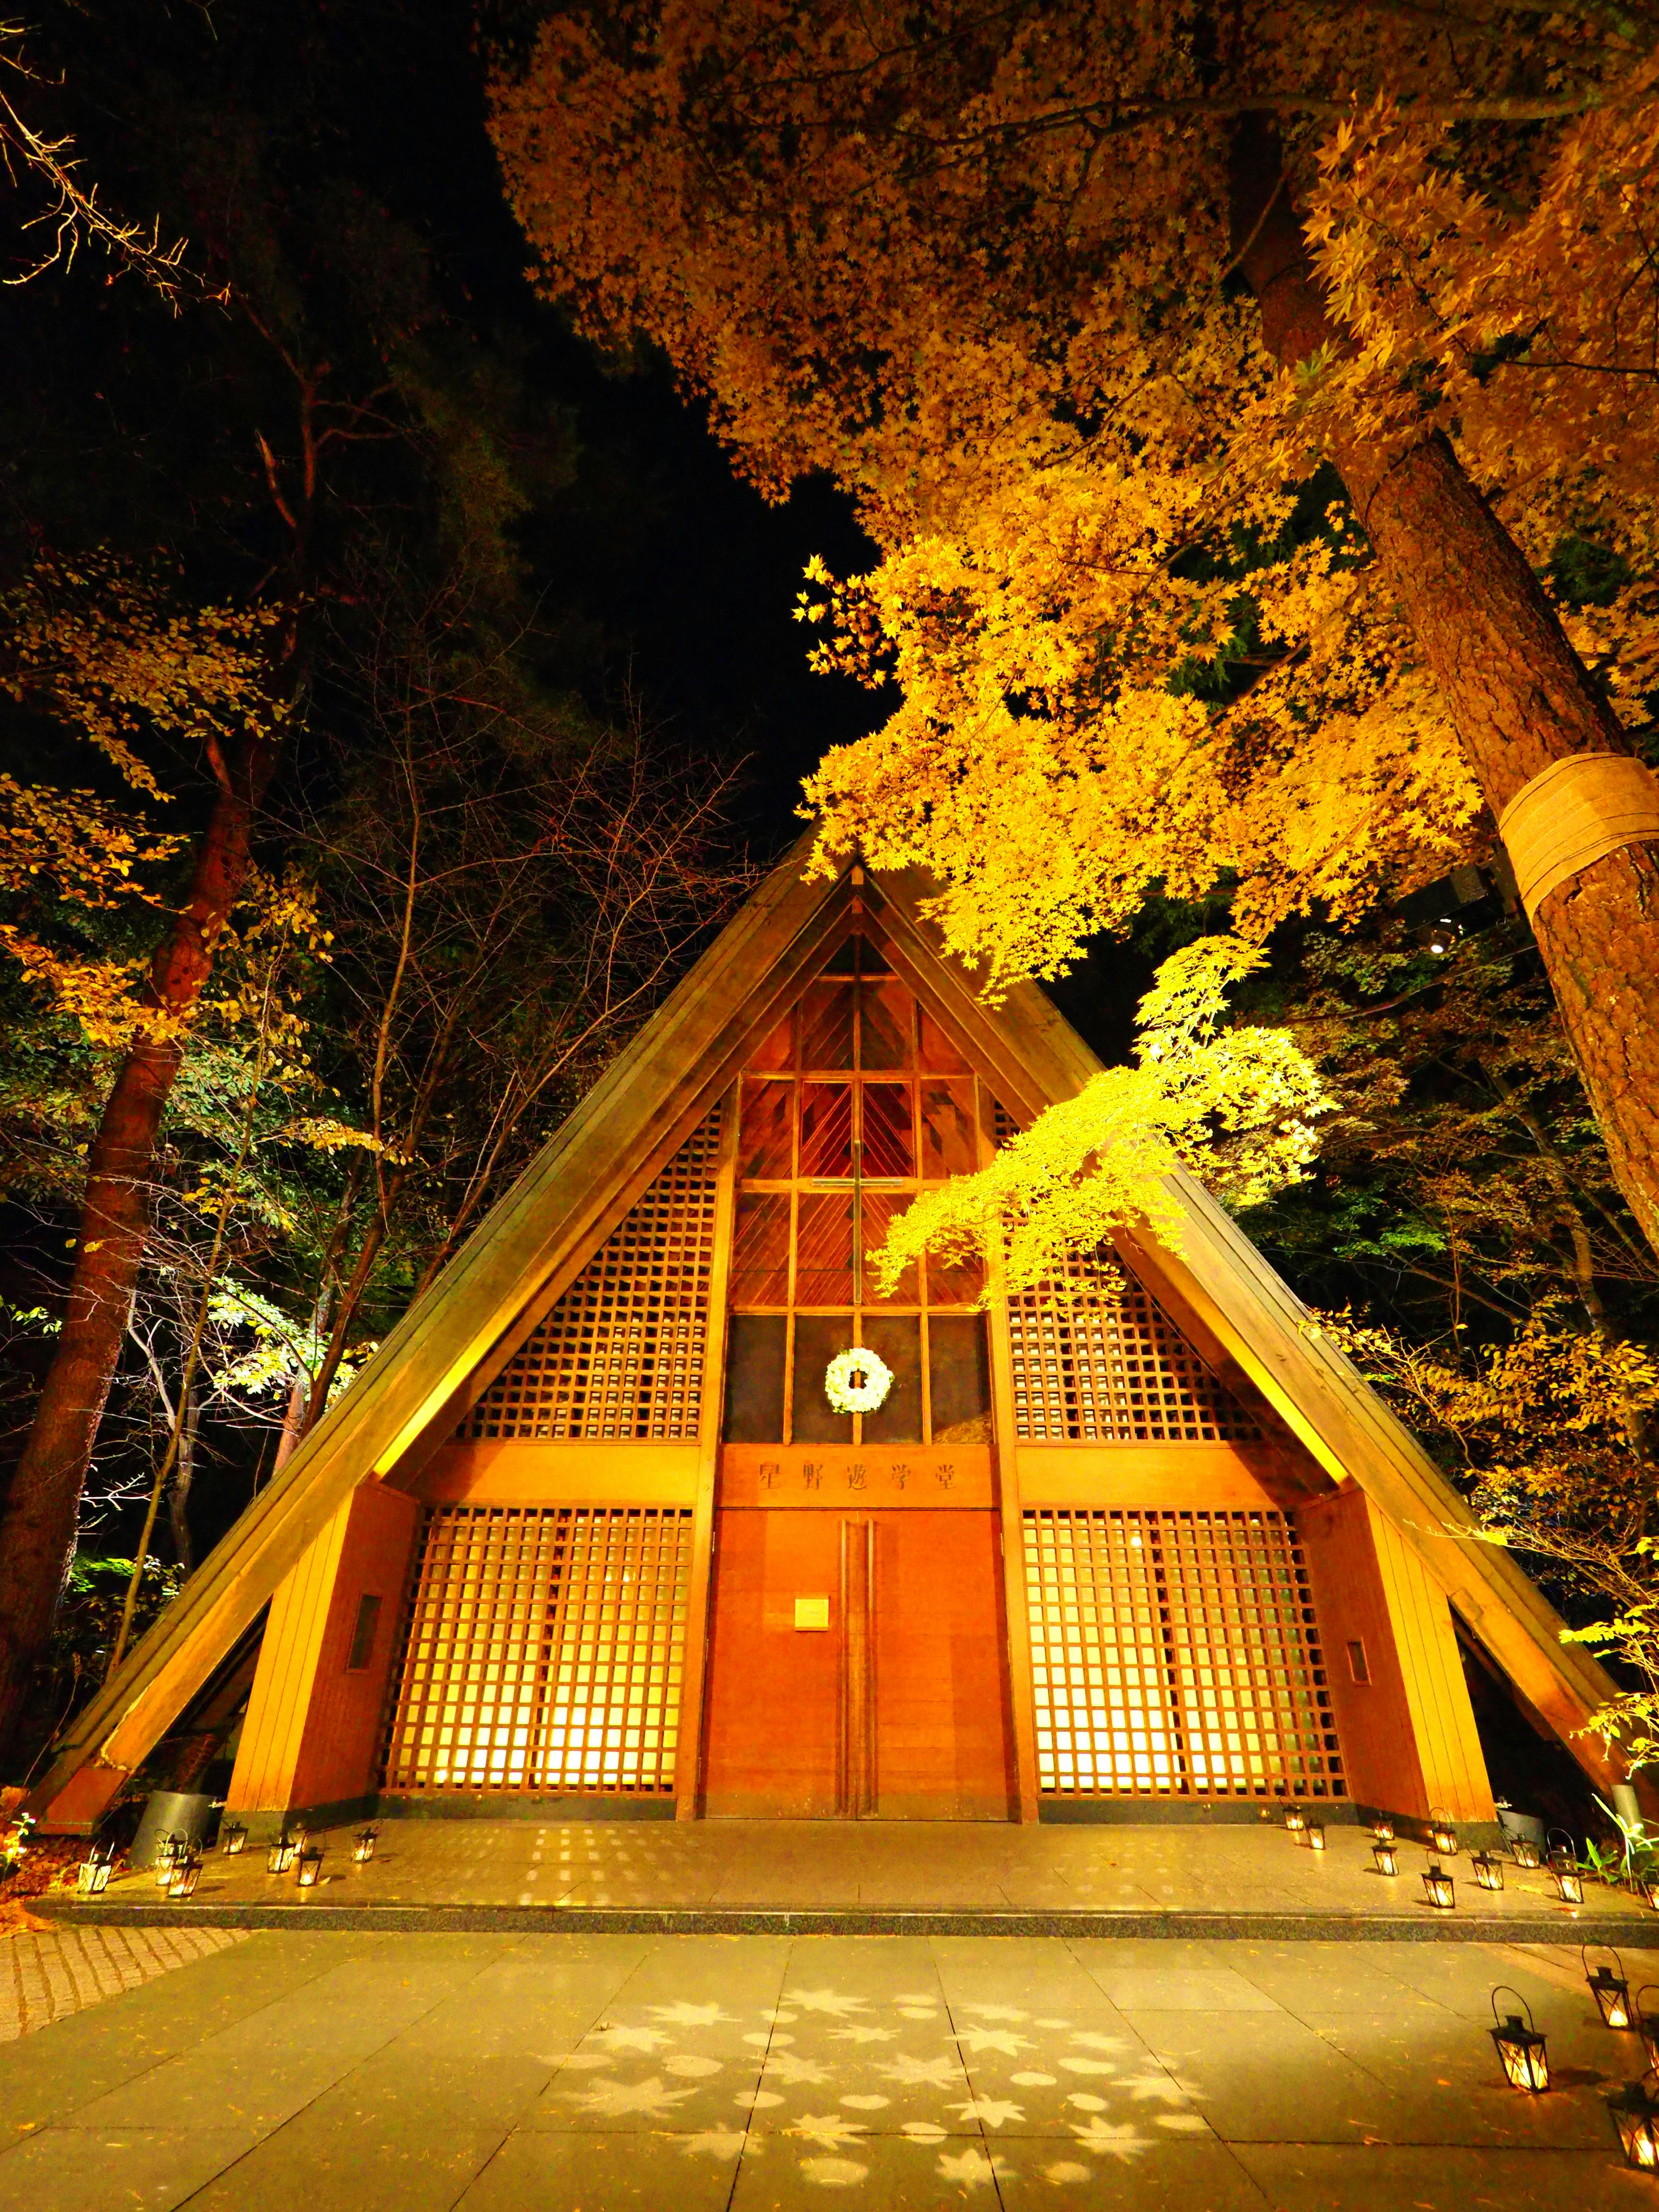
(281, 1855)
(1382, 1831)
(1635, 2114)
(1487, 1870)
(1524, 1851)
(1569, 1882)
(362, 1846)
(1443, 1837)
(168, 1851)
(1295, 1820)
(1647, 2025)
(1440, 1886)
(1522, 2050)
(233, 1838)
(1609, 1989)
(92, 1876)
(308, 1867)
(1649, 1889)
(186, 1872)
(1386, 1857)
(1316, 1832)
(300, 1836)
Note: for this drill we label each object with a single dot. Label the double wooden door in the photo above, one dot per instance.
(857, 1666)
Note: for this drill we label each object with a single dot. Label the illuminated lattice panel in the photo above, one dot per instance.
(1097, 1360)
(621, 1354)
(543, 1651)
(1176, 1653)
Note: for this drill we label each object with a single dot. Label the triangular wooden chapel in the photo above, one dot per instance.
(588, 1536)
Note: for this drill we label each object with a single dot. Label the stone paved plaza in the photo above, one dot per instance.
(345, 2072)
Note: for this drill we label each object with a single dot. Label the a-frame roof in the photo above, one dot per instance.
(605, 1154)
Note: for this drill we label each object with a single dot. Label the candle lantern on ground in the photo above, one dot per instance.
(1441, 1888)
(1522, 2050)
(1296, 1821)
(1569, 1882)
(309, 1868)
(362, 1846)
(233, 1838)
(92, 1876)
(1635, 2114)
(1382, 1831)
(1609, 1988)
(1443, 1837)
(186, 1872)
(1647, 2023)
(169, 1849)
(1386, 1855)
(1316, 1835)
(1487, 1870)
(281, 1855)
(1524, 1851)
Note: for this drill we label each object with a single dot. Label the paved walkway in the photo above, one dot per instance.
(875, 1867)
(348, 2072)
(47, 1976)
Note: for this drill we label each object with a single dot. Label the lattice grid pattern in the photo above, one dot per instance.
(1176, 1654)
(1100, 1362)
(621, 1354)
(542, 1651)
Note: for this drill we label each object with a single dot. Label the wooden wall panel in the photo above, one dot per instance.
(1409, 1735)
(772, 1717)
(1179, 1475)
(310, 1734)
(518, 1473)
(943, 1742)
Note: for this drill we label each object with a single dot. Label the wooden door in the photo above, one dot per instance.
(896, 1706)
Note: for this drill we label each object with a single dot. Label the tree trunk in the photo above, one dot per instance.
(183, 1472)
(1517, 693)
(37, 1529)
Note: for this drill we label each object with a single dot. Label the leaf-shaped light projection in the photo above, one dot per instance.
(994, 2012)
(830, 2130)
(1120, 2141)
(835, 2003)
(629, 2039)
(923, 2073)
(720, 2143)
(614, 2100)
(1147, 2088)
(830, 2173)
(794, 2073)
(683, 2013)
(989, 2112)
(971, 2168)
(861, 2033)
(993, 2038)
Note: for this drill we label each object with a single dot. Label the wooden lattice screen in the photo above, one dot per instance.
(1102, 1362)
(542, 1651)
(621, 1354)
(1176, 1654)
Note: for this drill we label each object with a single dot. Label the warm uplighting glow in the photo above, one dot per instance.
(1522, 2049)
(1487, 1870)
(1609, 1988)
(1440, 1888)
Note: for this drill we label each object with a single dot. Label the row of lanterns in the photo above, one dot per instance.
(1524, 2052)
(1485, 1866)
(178, 1864)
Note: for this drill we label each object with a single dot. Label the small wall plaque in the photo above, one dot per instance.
(812, 1612)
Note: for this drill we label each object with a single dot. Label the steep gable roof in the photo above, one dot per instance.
(580, 1186)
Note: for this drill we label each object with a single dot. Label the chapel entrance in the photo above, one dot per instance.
(857, 1666)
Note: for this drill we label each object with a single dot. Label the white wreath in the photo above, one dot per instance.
(864, 1396)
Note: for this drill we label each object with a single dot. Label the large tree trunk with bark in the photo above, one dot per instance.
(37, 1529)
(1517, 693)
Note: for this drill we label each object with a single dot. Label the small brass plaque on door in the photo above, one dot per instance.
(812, 1612)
